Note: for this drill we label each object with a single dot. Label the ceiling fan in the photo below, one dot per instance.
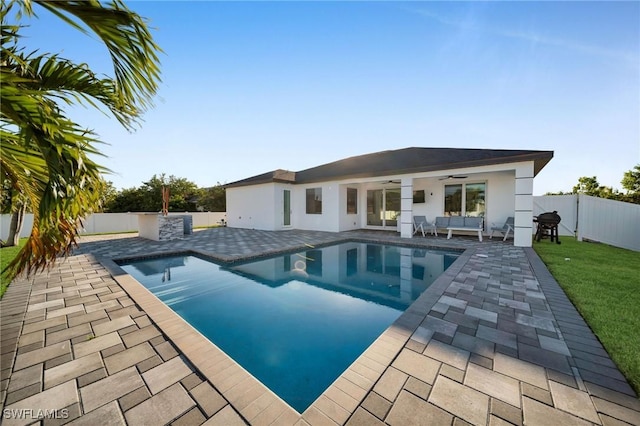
(391, 181)
(452, 177)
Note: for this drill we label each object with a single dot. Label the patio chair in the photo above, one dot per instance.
(419, 222)
(505, 229)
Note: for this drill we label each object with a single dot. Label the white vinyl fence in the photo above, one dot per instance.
(596, 219)
(5, 221)
(609, 221)
(99, 223)
(565, 205)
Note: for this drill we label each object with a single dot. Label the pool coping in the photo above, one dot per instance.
(248, 395)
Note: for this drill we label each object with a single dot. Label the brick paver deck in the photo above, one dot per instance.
(493, 341)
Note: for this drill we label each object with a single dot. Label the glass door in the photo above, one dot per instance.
(391, 207)
(374, 207)
(287, 207)
(383, 207)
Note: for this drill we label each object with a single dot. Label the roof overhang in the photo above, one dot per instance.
(401, 162)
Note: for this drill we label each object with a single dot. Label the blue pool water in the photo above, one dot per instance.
(295, 321)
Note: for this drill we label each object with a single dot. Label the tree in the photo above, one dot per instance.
(46, 156)
(213, 199)
(631, 180)
(184, 196)
(588, 186)
(107, 196)
(631, 183)
(127, 200)
(183, 193)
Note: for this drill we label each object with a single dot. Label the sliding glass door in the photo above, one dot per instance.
(383, 207)
(375, 207)
(391, 207)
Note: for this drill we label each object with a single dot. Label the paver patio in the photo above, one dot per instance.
(493, 341)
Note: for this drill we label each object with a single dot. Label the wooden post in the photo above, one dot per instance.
(165, 200)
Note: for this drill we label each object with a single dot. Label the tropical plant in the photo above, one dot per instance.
(47, 157)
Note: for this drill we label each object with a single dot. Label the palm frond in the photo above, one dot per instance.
(64, 183)
(46, 157)
(125, 34)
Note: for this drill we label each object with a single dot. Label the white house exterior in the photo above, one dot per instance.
(385, 190)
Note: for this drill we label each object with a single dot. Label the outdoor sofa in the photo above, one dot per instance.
(458, 223)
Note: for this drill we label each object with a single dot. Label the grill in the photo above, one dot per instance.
(547, 225)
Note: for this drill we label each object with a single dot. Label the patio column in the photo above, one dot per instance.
(523, 223)
(406, 207)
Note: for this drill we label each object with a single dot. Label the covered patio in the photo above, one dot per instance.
(385, 190)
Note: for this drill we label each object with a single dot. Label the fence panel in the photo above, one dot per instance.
(100, 223)
(5, 221)
(609, 221)
(566, 207)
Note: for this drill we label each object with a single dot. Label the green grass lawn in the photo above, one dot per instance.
(604, 285)
(6, 255)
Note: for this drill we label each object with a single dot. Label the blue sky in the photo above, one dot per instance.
(250, 87)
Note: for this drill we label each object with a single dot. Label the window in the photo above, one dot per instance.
(352, 201)
(465, 199)
(314, 201)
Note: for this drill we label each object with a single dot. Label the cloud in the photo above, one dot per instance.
(471, 24)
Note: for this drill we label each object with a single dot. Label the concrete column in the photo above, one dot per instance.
(406, 207)
(523, 224)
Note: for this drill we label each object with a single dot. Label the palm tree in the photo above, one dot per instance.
(45, 156)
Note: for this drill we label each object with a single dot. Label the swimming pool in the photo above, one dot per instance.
(295, 321)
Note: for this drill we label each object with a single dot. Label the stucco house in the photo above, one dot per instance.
(384, 190)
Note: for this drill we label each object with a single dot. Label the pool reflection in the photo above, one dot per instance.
(390, 275)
